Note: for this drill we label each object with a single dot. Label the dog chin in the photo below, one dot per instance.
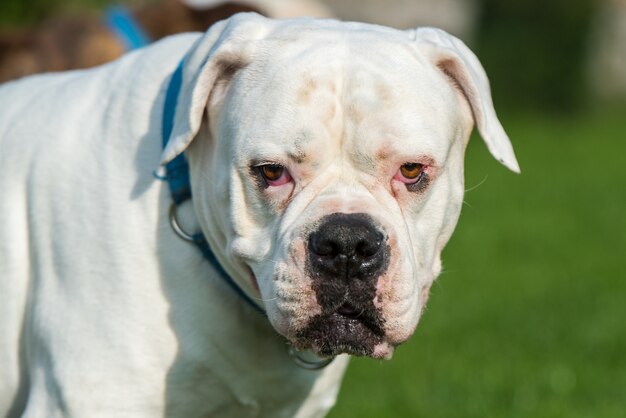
(330, 335)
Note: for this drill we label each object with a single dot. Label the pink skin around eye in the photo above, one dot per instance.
(400, 177)
(283, 179)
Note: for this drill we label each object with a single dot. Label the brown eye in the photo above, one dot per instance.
(411, 170)
(272, 172)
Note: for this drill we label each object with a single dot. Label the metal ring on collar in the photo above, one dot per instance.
(176, 226)
(308, 364)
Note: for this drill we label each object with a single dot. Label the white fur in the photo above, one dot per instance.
(106, 312)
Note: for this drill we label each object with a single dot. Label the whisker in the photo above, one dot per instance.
(264, 300)
(466, 203)
(478, 185)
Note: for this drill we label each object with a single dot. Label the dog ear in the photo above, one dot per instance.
(455, 60)
(212, 61)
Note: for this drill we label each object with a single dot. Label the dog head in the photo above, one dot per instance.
(327, 168)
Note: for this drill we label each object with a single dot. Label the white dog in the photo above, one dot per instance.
(326, 167)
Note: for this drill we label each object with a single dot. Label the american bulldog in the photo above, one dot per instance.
(326, 167)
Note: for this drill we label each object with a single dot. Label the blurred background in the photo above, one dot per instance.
(528, 318)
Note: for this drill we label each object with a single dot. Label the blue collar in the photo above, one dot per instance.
(124, 26)
(177, 176)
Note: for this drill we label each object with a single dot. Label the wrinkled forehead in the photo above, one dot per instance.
(350, 55)
(358, 85)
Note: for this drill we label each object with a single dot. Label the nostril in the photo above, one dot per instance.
(336, 239)
(324, 247)
(368, 248)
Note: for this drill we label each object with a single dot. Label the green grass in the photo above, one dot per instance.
(529, 317)
(20, 13)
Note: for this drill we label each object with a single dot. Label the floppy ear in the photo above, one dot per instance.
(213, 60)
(455, 60)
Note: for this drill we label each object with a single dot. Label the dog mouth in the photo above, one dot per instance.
(346, 254)
(346, 329)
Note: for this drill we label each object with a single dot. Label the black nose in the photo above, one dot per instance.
(347, 246)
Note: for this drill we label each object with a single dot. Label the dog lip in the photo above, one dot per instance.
(349, 310)
(334, 333)
(253, 279)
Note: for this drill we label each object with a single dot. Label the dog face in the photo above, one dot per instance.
(328, 172)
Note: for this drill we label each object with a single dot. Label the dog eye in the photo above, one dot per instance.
(274, 174)
(410, 173)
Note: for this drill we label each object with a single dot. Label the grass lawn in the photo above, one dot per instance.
(529, 317)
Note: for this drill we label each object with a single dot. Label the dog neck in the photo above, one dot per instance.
(177, 177)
